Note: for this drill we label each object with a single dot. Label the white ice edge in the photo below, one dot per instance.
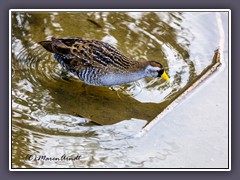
(196, 84)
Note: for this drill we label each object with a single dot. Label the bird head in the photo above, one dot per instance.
(155, 69)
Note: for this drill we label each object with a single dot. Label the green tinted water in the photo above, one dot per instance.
(53, 113)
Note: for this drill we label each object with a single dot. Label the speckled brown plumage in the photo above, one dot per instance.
(98, 63)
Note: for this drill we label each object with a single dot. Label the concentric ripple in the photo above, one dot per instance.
(42, 87)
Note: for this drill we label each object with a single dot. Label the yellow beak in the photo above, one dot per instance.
(165, 76)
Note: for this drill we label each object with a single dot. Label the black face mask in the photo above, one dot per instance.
(160, 72)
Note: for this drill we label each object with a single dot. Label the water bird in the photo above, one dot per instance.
(100, 64)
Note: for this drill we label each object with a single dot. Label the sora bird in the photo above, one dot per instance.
(100, 64)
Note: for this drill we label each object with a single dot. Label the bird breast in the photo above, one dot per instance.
(121, 78)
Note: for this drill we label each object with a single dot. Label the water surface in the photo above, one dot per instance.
(54, 113)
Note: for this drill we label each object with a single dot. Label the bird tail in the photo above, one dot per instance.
(47, 45)
(57, 45)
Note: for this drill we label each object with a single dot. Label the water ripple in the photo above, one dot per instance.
(54, 113)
